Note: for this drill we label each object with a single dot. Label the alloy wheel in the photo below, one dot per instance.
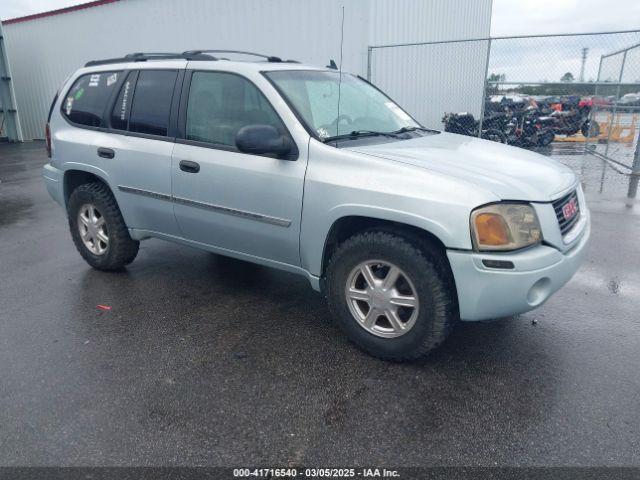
(93, 229)
(382, 298)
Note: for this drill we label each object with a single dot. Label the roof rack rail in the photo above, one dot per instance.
(268, 58)
(188, 55)
(145, 56)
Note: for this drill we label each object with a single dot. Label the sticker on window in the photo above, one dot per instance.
(68, 105)
(111, 79)
(79, 94)
(322, 133)
(401, 114)
(125, 95)
(94, 80)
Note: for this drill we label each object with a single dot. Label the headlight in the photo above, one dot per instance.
(505, 226)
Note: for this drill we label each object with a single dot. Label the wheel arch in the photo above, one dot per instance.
(349, 225)
(75, 177)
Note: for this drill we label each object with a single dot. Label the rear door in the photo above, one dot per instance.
(139, 147)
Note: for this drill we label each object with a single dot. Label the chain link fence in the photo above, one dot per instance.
(573, 97)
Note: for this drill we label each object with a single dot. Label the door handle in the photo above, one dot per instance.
(189, 166)
(106, 152)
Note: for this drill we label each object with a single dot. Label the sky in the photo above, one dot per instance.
(529, 17)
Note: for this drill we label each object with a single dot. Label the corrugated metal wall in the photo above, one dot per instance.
(412, 21)
(429, 80)
(44, 51)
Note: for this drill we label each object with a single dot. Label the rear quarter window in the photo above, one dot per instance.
(87, 98)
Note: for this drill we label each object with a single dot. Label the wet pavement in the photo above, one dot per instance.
(207, 361)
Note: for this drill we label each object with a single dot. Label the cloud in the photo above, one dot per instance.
(529, 17)
(548, 58)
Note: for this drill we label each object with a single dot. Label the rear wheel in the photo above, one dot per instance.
(392, 298)
(98, 229)
(494, 135)
(590, 129)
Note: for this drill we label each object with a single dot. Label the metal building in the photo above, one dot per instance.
(43, 49)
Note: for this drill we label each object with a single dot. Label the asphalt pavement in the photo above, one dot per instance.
(203, 360)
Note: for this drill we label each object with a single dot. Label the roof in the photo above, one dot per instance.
(223, 65)
(59, 11)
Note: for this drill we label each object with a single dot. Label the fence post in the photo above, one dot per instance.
(484, 89)
(635, 173)
(615, 105)
(594, 107)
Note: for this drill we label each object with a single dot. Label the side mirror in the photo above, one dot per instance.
(263, 139)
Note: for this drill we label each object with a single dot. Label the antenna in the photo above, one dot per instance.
(340, 72)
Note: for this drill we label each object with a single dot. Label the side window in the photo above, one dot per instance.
(220, 104)
(120, 112)
(151, 103)
(88, 97)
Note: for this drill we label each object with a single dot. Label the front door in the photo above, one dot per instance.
(237, 202)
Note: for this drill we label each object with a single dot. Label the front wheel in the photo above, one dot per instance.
(392, 298)
(546, 138)
(98, 229)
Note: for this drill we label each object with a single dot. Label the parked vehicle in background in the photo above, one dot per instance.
(405, 230)
(465, 124)
(573, 117)
(527, 128)
(630, 100)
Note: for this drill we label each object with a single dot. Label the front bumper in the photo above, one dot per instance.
(53, 180)
(486, 293)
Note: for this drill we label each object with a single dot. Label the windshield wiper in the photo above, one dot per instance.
(413, 129)
(361, 133)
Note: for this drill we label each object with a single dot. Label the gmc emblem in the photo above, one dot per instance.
(570, 209)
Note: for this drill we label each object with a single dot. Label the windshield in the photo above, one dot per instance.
(362, 108)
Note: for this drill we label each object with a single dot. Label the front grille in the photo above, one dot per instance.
(566, 225)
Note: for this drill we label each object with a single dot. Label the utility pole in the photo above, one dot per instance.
(585, 50)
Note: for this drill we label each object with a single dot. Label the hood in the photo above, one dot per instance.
(508, 172)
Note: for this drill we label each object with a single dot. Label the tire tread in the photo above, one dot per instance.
(122, 248)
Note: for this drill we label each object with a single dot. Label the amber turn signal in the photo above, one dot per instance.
(492, 229)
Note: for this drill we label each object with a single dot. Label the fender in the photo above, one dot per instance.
(313, 236)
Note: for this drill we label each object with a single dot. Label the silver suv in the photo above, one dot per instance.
(404, 229)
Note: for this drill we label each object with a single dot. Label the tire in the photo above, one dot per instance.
(429, 274)
(595, 129)
(121, 249)
(494, 135)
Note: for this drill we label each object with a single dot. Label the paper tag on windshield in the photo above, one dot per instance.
(398, 111)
